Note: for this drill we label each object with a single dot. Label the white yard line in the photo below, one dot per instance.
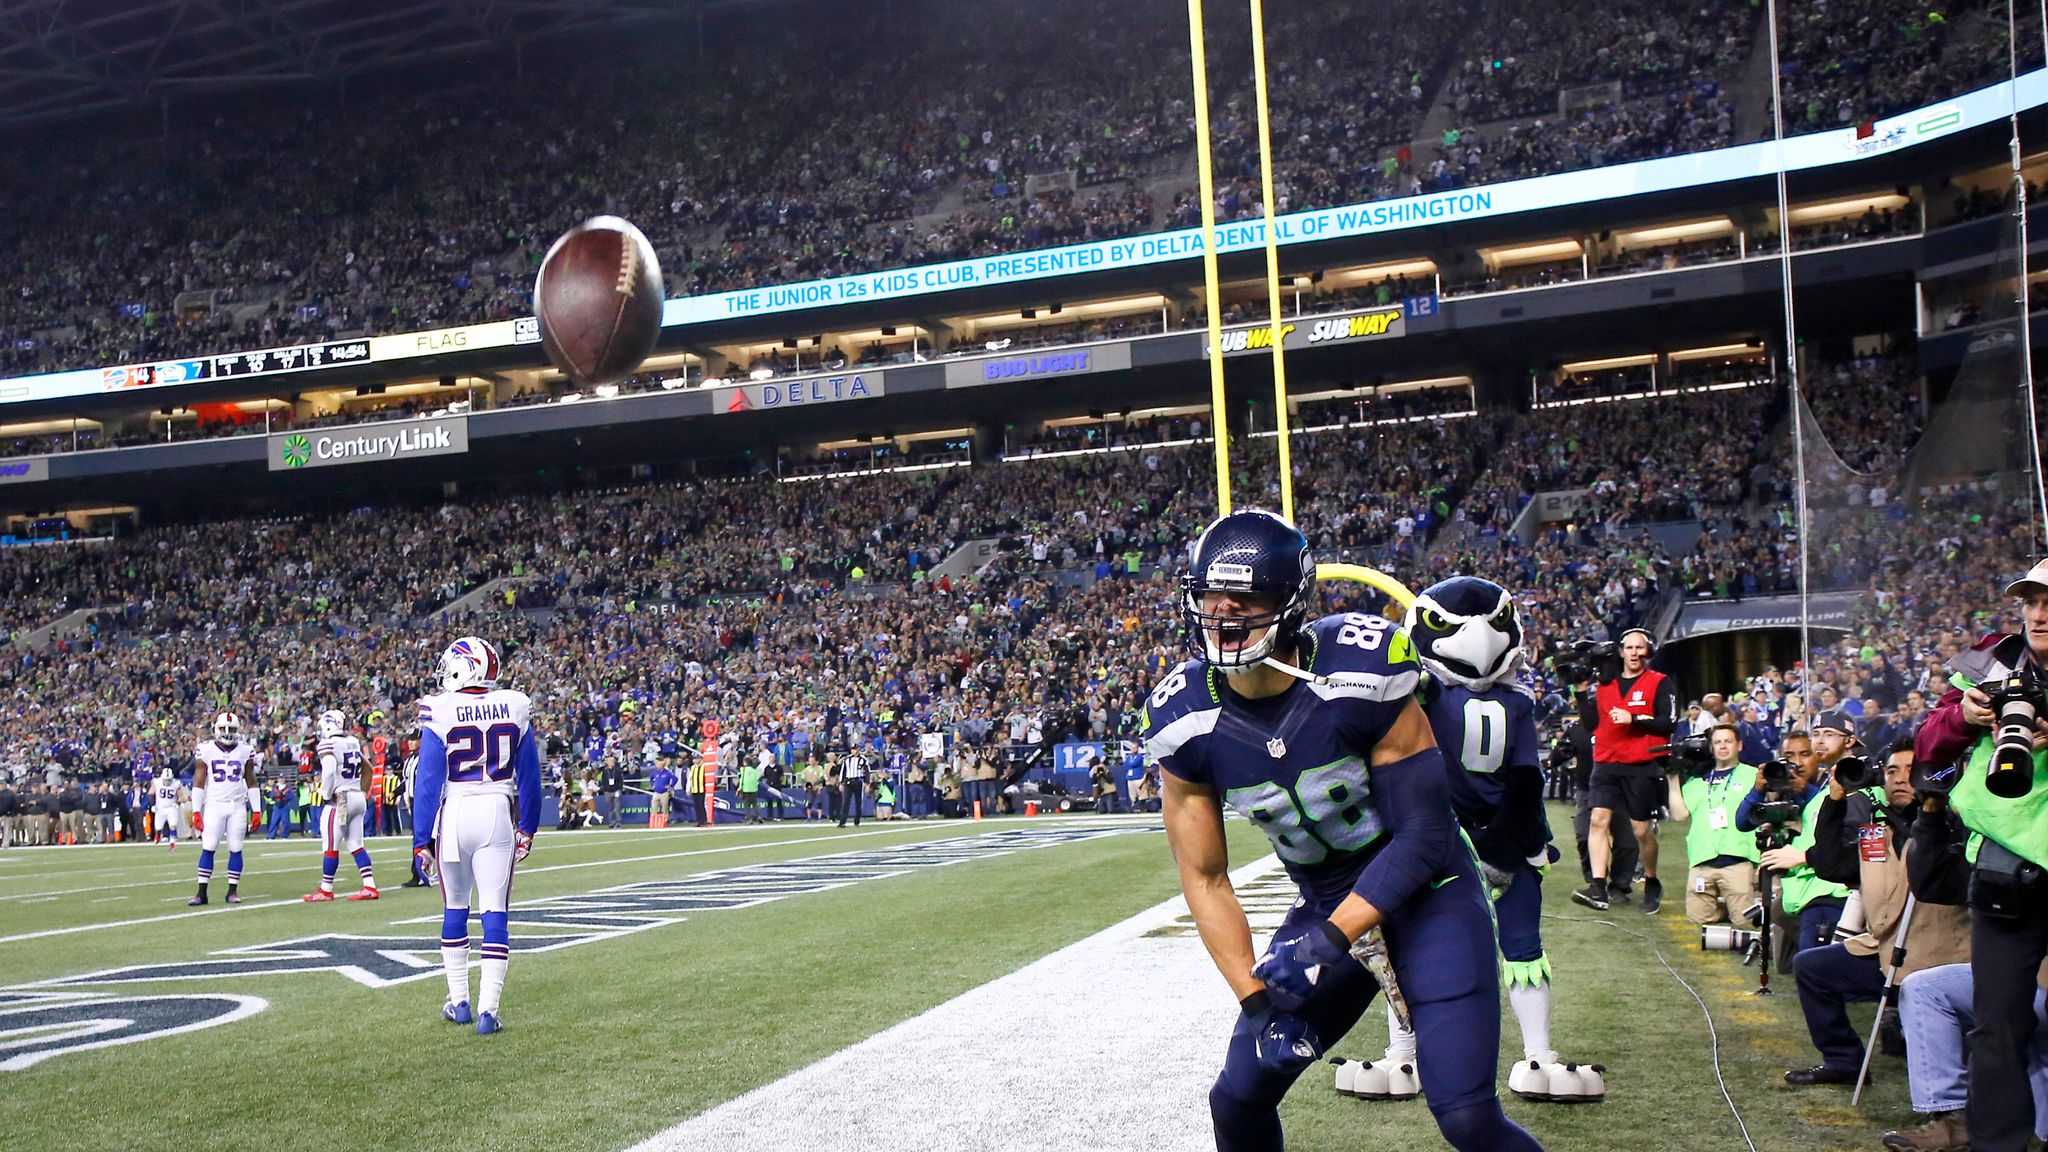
(1144, 1017)
(955, 828)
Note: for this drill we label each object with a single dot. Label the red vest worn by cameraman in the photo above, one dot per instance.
(1625, 743)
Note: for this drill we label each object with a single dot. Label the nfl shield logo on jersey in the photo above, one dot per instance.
(1276, 748)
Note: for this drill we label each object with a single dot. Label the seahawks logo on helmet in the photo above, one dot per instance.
(1466, 631)
(1249, 553)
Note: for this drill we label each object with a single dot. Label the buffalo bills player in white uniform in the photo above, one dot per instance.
(1311, 731)
(223, 772)
(341, 781)
(168, 792)
(479, 760)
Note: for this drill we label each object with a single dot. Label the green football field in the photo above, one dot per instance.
(1012, 984)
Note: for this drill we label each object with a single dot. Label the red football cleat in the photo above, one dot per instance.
(234, 899)
(317, 897)
(365, 894)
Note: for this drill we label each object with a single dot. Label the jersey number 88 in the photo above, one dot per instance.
(482, 753)
(1324, 814)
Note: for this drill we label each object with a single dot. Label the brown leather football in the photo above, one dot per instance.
(598, 299)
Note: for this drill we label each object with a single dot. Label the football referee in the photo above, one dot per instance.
(853, 778)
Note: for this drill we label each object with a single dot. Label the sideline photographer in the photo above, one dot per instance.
(1868, 841)
(1983, 746)
(1815, 900)
(1721, 881)
(1637, 711)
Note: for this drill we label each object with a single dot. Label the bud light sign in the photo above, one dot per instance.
(24, 471)
(1115, 357)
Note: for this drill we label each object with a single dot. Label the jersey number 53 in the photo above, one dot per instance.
(482, 753)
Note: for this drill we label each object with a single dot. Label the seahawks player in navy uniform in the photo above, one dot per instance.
(1311, 731)
(1468, 636)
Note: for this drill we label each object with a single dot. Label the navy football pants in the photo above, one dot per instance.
(1442, 943)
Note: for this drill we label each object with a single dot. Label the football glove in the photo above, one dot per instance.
(198, 820)
(522, 843)
(1291, 968)
(1282, 1042)
(425, 855)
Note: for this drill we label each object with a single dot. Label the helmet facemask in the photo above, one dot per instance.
(1234, 643)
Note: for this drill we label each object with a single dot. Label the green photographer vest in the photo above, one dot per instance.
(2020, 825)
(1800, 886)
(1703, 841)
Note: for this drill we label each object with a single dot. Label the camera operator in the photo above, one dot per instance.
(1637, 711)
(1989, 720)
(1934, 1001)
(1867, 842)
(1817, 902)
(1721, 882)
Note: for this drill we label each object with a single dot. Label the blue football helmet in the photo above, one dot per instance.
(1248, 552)
(1466, 631)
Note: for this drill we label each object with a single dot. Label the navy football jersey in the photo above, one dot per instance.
(1488, 740)
(1294, 764)
(1481, 733)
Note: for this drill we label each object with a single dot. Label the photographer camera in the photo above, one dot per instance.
(1636, 709)
(1866, 840)
(1721, 880)
(1815, 900)
(1983, 746)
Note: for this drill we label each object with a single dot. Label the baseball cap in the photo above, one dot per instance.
(1837, 720)
(2037, 577)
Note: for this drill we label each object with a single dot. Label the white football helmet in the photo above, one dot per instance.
(227, 730)
(470, 662)
(332, 724)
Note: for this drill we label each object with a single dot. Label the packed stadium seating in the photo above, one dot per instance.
(130, 249)
(643, 608)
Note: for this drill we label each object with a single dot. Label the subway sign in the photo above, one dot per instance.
(1377, 324)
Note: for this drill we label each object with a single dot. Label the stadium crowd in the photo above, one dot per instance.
(794, 607)
(140, 249)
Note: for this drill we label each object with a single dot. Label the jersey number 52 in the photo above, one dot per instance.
(482, 753)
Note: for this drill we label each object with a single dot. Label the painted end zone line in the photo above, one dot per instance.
(1141, 1013)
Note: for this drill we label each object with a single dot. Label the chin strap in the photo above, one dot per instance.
(1326, 680)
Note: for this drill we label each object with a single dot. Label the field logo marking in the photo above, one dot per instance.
(45, 1018)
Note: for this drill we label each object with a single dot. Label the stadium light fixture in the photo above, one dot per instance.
(1531, 253)
(1610, 362)
(1676, 233)
(1853, 206)
(1717, 351)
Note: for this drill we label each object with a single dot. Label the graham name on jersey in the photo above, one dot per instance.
(477, 713)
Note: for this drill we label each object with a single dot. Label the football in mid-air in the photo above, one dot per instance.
(598, 299)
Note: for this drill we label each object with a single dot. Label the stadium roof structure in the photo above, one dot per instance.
(67, 58)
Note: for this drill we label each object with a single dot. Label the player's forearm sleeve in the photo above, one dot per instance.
(1414, 800)
(526, 777)
(427, 781)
